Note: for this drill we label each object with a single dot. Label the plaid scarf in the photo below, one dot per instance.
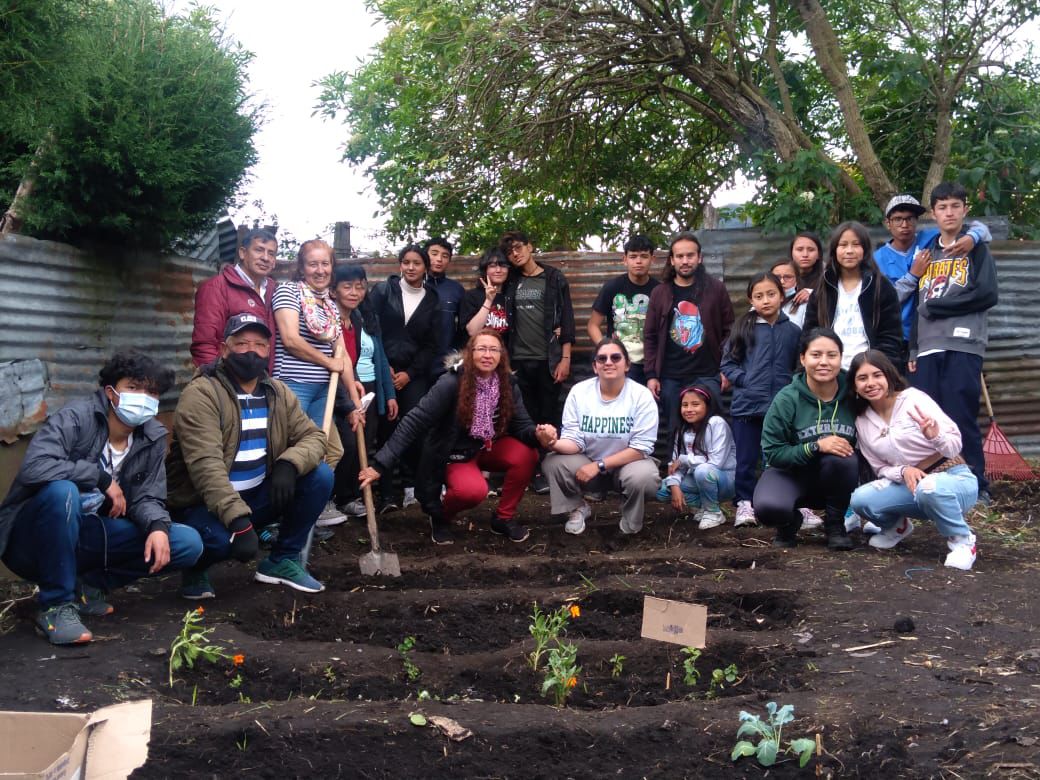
(484, 405)
(312, 303)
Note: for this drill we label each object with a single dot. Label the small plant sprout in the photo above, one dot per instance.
(235, 682)
(561, 673)
(412, 671)
(617, 665)
(720, 678)
(690, 674)
(192, 643)
(769, 733)
(546, 628)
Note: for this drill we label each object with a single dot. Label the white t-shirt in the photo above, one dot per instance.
(602, 428)
(848, 324)
(112, 459)
(411, 297)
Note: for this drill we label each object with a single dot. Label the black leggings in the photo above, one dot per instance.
(826, 483)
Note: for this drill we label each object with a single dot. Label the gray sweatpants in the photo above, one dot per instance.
(636, 481)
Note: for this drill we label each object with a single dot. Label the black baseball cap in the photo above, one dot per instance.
(239, 322)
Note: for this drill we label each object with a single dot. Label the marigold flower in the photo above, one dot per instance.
(572, 682)
(575, 611)
(238, 659)
(199, 610)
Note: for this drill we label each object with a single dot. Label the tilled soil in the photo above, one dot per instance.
(323, 690)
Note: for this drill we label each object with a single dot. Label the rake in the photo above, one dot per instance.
(1003, 461)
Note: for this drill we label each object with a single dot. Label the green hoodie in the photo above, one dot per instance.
(797, 418)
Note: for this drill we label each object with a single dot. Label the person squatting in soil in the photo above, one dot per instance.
(87, 511)
(703, 464)
(243, 454)
(473, 418)
(607, 439)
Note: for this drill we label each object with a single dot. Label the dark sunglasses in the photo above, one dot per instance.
(613, 357)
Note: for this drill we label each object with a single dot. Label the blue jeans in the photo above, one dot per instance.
(312, 492)
(53, 542)
(311, 396)
(704, 486)
(747, 436)
(942, 498)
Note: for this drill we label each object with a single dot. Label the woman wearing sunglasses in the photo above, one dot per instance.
(608, 435)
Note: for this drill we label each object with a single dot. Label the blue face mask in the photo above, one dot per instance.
(136, 408)
(790, 293)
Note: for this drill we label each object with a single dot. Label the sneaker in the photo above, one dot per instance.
(745, 515)
(576, 519)
(510, 528)
(962, 552)
(387, 507)
(540, 485)
(91, 601)
(355, 508)
(810, 520)
(62, 626)
(596, 496)
(330, 516)
(869, 528)
(839, 541)
(785, 540)
(195, 585)
(409, 498)
(440, 531)
(853, 522)
(708, 520)
(321, 534)
(889, 538)
(287, 571)
(268, 535)
(985, 499)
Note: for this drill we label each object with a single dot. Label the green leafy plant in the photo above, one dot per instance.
(769, 733)
(617, 665)
(193, 643)
(561, 672)
(690, 674)
(546, 628)
(412, 671)
(235, 682)
(720, 678)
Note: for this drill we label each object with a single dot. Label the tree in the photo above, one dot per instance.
(135, 128)
(471, 114)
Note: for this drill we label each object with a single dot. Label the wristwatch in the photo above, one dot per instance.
(602, 467)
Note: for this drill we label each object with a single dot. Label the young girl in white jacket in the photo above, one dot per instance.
(704, 458)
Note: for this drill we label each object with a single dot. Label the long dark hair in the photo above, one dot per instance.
(810, 279)
(867, 265)
(707, 394)
(468, 385)
(668, 274)
(742, 341)
(874, 357)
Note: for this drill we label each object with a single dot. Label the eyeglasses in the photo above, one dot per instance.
(613, 357)
(785, 277)
(902, 220)
(498, 263)
(488, 350)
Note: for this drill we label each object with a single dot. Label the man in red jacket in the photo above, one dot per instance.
(243, 288)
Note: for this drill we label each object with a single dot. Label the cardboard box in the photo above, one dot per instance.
(103, 745)
(674, 621)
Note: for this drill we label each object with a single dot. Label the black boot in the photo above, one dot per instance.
(440, 530)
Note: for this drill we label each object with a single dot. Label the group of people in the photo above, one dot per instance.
(445, 387)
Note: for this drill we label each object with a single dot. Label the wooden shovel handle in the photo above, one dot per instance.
(985, 397)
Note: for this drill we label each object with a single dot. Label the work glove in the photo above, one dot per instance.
(244, 541)
(283, 485)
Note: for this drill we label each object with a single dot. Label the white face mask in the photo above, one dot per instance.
(135, 408)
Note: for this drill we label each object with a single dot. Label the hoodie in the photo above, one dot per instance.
(797, 418)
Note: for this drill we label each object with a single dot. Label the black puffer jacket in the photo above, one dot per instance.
(884, 330)
(444, 439)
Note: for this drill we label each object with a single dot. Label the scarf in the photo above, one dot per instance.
(484, 404)
(311, 305)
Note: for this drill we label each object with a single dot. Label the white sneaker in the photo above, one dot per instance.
(810, 519)
(962, 552)
(745, 515)
(853, 522)
(576, 519)
(870, 528)
(889, 538)
(355, 508)
(710, 520)
(409, 498)
(330, 516)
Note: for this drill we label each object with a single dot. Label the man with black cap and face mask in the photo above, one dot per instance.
(243, 453)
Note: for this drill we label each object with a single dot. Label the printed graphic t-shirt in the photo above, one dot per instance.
(529, 340)
(623, 304)
(686, 356)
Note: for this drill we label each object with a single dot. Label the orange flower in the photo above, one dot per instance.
(239, 659)
(572, 681)
(199, 610)
(575, 611)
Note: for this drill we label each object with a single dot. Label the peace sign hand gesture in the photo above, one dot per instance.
(928, 425)
(490, 291)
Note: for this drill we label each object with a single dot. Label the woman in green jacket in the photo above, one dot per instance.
(808, 437)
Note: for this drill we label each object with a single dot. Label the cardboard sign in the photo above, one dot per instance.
(674, 621)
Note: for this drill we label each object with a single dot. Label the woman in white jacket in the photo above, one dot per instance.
(915, 449)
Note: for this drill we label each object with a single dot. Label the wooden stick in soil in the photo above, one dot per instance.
(376, 561)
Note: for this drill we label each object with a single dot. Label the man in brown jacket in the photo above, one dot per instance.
(243, 453)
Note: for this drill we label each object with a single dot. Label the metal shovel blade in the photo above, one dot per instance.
(380, 563)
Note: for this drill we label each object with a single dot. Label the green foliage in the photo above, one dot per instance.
(546, 628)
(133, 126)
(617, 665)
(691, 676)
(192, 644)
(561, 674)
(411, 670)
(720, 678)
(769, 732)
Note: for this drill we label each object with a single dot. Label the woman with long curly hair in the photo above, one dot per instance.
(473, 418)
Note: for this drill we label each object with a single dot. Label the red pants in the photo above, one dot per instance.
(466, 486)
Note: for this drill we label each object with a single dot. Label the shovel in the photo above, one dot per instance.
(376, 561)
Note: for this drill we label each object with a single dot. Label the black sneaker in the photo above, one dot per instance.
(784, 541)
(440, 531)
(540, 484)
(322, 533)
(839, 540)
(386, 507)
(510, 528)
